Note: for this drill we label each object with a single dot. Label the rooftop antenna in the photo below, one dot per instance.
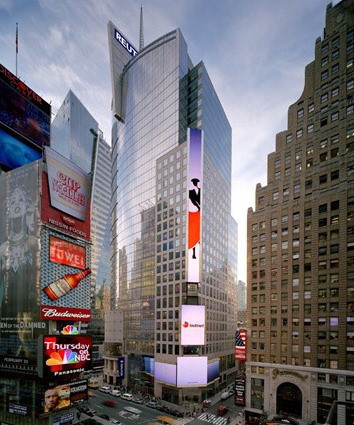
(141, 38)
(16, 45)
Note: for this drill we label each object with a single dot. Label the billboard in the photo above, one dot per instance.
(22, 110)
(192, 371)
(240, 344)
(63, 355)
(67, 253)
(20, 322)
(121, 367)
(240, 391)
(213, 370)
(166, 372)
(195, 182)
(14, 153)
(65, 285)
(69, 186)
(192, 324)
(60, 221)
(64, 396)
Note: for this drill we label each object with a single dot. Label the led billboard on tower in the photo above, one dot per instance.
(195, 182)
(192, 324)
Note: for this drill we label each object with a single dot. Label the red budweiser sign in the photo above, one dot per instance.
(64, 313)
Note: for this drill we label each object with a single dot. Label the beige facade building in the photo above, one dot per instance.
(301, 244)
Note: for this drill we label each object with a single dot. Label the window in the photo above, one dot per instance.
(323, 179)
(335, 92)
(300, 113)
(311, 108)
(310, 128)
(335, 115)
(288, 138)
(335, 175)
(299, 133)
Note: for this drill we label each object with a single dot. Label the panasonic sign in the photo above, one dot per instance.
(125, 43)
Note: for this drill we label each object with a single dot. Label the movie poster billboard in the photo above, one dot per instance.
(64, 355)
(24, 111)
(64, 396)
(20, 322)
(192, 324)
(195, 182)
(65, 277)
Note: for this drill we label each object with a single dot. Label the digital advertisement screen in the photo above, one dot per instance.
(64, 355)
(69, 185)
(195, 182)
(20, 322)
(165, 372)
(64, 396)
(22, 110)
(148, 365)
(192, 324)
(213, 370)
(14, 153)
(64, 289)
(67, 253)
(192, 371)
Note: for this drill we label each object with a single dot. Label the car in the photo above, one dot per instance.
(206, 403)
(127, 396)
(138, 400)
(105, 389)
(116, 393)
(225, 395)
(151, 404)
(91, 412)
(116, 421)
(103, 416)
(109, 403)
(222, 410)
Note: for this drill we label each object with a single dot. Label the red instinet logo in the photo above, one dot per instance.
(185, 324)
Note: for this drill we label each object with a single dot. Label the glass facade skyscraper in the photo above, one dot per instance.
(157, 95)
(76, 135)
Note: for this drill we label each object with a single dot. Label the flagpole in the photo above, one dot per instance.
(16, 45)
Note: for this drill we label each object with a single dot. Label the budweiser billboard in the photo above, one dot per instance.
(65, 277)
(67, 253)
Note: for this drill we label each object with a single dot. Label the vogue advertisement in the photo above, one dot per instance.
(20, 322)
(195, 176)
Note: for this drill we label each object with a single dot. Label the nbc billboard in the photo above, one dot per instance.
(195, 182)
(192, 324)
(23, 111)
(63, 355)
(192, 371)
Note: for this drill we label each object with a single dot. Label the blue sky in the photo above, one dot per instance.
(254, 50)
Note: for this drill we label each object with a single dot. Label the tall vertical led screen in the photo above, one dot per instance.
(65, 253)
(195, 182)
(192, 324)
(240, 344)
(20, 322)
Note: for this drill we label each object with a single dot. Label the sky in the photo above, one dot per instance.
(255, 52)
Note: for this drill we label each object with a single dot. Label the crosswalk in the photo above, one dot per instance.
(213, 419)
(182, 421)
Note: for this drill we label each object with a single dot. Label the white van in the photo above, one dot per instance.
(116, 393)
(127, 396)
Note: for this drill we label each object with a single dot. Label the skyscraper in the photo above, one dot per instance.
(76, 135)
(158, 94)
(300, 243)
